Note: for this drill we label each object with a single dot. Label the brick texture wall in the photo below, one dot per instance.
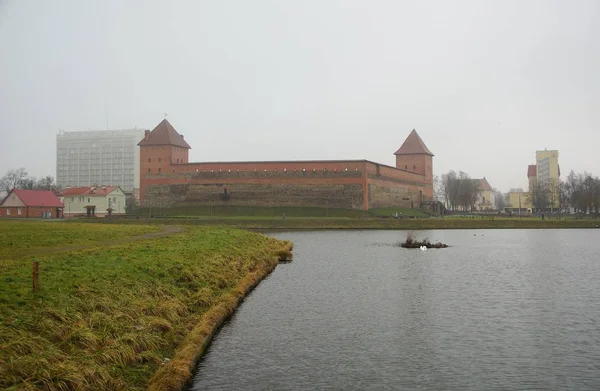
(262, 194)
(387, 196)
(342, 189)
(29, 212)
(345, 184)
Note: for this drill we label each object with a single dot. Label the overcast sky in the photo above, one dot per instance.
(485, 83)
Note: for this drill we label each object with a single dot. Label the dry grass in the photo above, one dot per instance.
(105, 319)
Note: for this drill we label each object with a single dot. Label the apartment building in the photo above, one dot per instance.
(546, 175)
(99, 158)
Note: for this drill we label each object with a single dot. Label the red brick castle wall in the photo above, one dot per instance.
(356, 184)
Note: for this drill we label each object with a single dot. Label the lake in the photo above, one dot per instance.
(500, 309)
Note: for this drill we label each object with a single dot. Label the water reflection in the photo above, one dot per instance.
(500, 310)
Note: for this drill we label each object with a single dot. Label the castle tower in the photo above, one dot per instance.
(414, 156)
(160, 149)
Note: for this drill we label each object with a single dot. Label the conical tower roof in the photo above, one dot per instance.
(164, 134)
(413, 145)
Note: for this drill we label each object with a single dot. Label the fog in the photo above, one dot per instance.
(484, 83)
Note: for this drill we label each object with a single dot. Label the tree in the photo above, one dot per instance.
(437, 188)
(459, 190)
(538, 195)
(501, 200)
(449, 189)
(46, 183)
(28, 184)
(14, 179)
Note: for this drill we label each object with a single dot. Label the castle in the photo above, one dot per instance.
(167, 175)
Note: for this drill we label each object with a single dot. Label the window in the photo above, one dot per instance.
(148, 170)
(149, 160)
(88, 200)
(414, 167)
(405, 167)
(159, 169)
(19, 211)
(159, 160)
(8, 211)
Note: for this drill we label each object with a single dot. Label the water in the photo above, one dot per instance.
(505, 309)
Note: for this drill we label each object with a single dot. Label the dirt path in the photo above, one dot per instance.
(166, 231)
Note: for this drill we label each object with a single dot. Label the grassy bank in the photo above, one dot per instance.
(34, 236)
(106, 318)
(267, 223)
(275, 211)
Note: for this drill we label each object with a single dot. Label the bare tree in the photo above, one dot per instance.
(449, 187)
(500, 198)
(468, 191)
(538, 195)
(14, 179)
(46, 183)
(28, 184)
(459, 190)
(437, 188)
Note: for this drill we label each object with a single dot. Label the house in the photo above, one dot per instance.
(519, 203)
(486, 199)
(93, 201)
(21, 203)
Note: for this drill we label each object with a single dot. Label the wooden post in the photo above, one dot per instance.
(35, 276)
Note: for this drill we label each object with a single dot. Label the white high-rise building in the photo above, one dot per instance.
(99, 158)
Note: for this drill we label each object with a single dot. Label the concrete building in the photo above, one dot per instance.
(24, 204)
(99, 158)
(93, 201)
(546, 175)
(519, 203)
(168, 178)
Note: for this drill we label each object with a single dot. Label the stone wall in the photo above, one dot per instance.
(350, 184)
(386, 196)
(349, 196)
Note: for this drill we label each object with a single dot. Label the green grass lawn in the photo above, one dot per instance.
(22, 235)
(277, 223)
(277, 211)
(105, 318)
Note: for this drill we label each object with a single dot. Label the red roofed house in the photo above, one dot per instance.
(21, 203)
(93, 201)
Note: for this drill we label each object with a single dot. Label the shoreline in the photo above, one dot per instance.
(302, 224)
(136, 312)
(178, 373)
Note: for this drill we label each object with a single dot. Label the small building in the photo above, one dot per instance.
(20, 203)
(486, 199)
(519, 203)
(93, 201)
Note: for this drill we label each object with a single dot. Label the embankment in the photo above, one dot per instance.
(123, 316)
(280, 224)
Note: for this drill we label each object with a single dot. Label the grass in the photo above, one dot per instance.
(106, 319)
(276, 211)
(20, 235)
(277, 223)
